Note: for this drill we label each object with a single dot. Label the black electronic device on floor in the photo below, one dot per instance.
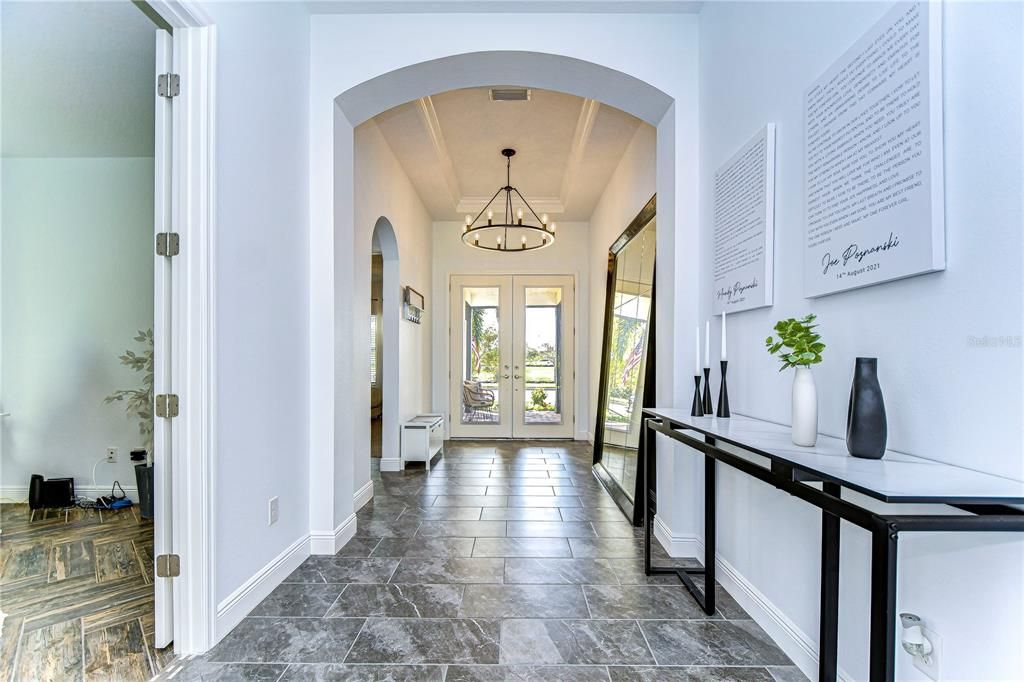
(55, 493)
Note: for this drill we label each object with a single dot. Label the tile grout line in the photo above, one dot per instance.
(337, 599)
(644, 635)
(351, 646)
(81, 624)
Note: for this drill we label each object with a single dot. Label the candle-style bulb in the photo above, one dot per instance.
(524, 240)
(553, 226)
(490, 215)
(499, 241)
(519, 214)
(469, 220)
(544, 218)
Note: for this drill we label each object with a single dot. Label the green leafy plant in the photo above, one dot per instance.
(540, 400)
(138, 402)
(797, 345)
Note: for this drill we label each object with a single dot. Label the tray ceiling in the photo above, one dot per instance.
(449, 145)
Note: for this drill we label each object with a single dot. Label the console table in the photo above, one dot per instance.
(765, 451)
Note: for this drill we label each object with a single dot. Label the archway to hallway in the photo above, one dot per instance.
(384, 365)
(339, 443)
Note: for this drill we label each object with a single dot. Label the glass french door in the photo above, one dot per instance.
(511, 345)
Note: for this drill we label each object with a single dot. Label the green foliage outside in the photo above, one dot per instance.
(484, 334)
(623, 369)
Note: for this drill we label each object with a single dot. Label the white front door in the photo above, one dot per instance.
(512, 350)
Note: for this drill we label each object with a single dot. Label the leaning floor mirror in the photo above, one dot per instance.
(627, 362)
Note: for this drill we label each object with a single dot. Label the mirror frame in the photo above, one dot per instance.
(631, 510)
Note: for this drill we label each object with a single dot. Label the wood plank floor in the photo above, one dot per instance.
(76, 591)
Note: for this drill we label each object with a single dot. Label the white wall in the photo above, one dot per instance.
(77, 287)
(384, 190)
(262, 325)
(629, 189)
(567, 256)
(945, 399)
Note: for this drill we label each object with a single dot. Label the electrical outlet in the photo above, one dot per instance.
(111, 455)
(931, 667)
(273, 511)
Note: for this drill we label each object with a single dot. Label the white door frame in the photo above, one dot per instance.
(163, 489)
(192, 370)
(510, 381)
(567, 351)
(503, 429)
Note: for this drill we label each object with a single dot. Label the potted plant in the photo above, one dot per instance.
(799, 346)
(138, 404)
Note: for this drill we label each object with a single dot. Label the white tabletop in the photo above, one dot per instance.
(897, 477)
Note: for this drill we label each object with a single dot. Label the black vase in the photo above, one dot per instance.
(866, 426)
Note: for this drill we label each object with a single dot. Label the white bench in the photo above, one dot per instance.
(422, 438)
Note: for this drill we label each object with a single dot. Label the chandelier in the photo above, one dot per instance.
(509, 233)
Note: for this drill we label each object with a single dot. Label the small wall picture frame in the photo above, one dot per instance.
(413, 305)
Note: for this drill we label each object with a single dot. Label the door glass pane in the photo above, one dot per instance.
(626, 359)
(481, 356)
(542, 352)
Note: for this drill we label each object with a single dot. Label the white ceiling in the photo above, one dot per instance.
(77, 79)
(450, 147)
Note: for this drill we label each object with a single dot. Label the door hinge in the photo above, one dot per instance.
(168, 85)
(168, 566)
(167, 405)
(168, 244)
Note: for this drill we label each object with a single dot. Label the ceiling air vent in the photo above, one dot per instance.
(510, 95)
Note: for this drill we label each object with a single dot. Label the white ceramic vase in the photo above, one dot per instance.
(805, 408)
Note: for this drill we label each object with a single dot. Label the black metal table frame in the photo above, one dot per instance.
(884, 529)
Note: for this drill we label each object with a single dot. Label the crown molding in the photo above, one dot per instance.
(425, 107)
(502, 6)
(580, 138)
(550, 205)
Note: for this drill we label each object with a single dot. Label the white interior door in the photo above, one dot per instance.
(512, 349)
(543, 375)
(162, 518)
(481, 356)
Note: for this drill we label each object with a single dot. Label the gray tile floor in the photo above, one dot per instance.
(508, 562)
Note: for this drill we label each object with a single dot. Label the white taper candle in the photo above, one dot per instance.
(723, 336)
(696, 353)
(707, 343)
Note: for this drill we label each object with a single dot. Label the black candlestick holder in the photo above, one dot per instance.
(697, 409)
(723, 393)
(707, 406)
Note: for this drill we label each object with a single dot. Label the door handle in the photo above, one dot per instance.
(506, 376)
(517, 376)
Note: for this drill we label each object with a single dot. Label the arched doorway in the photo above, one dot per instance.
(385, 306)
(339, 273)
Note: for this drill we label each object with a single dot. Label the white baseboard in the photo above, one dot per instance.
(677, 545)
(363, 495)
(19, 493)
(242, 601)
(390, 464)
(329, 542)
(802, 649)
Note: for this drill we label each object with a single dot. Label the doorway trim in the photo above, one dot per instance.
(359, 92)
(391, 371)
(193, 334)
(510, 284)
